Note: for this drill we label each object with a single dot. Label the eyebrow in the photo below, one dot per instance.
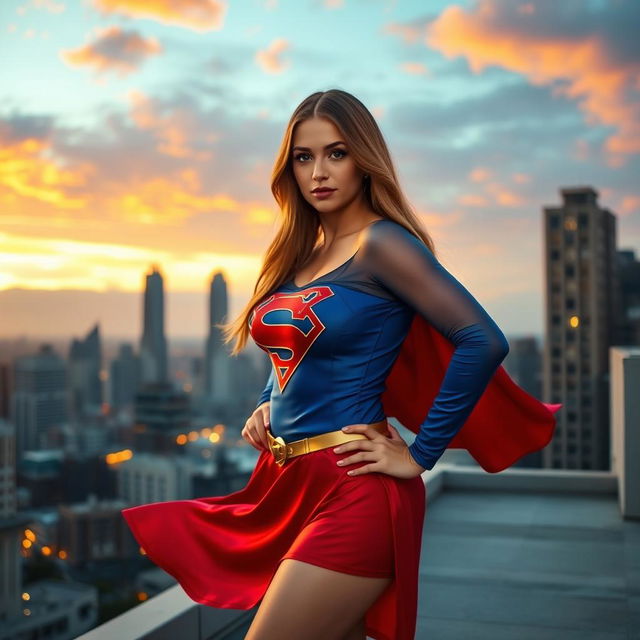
(327, 146)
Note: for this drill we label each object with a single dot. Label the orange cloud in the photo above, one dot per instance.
(580, 67)
(503, 196)
(171, 130)
(410, 34)
(28, 171)
(199, 15)
(168, 201)
(45, 197)
(269, 58)
(521, 178)
(114, 49)
(499, 194)
(480, 174)
(472, 200)
(48, 5)
(630, 204)
(414, 68)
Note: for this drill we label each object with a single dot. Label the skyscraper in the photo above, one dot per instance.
(124, 377)
(629, 280)
(40, 398)
(580, 253)
(217, 363)
(153, 349)
(85, 385)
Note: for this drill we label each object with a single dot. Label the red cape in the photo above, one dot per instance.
(506, 423)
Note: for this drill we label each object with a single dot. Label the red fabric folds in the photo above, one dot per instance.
(224, 550)
(506, 423)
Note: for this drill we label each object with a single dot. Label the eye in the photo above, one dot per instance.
(341, 151)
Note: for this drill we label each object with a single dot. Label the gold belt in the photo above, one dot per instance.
(282, 450)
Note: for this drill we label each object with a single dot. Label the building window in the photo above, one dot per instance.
(583, 220)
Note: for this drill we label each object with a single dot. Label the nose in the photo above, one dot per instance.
(318, 171)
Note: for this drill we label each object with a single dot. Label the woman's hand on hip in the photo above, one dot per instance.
(254, 431)
(385, 454)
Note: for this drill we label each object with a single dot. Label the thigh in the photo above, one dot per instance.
(311, 602)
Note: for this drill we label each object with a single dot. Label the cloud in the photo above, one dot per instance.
(269, 59)
(586, 55)
(414, 68)
(480, 174)
(48, 5)
(198, 15)
(114, 50)
(195, 176)
(172, 129)
(28, 171)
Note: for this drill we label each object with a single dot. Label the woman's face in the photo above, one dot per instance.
(320, 158)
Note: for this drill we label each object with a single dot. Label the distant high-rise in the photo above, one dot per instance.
(124, 377)
(39, 399)
(628, 330)
(85, 385)
(12, 525)
(217, 363)
(524, 364)
(580, 251)
(153, 349)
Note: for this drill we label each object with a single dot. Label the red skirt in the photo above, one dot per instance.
(224, 550)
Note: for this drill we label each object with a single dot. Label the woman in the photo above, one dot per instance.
(354, 310)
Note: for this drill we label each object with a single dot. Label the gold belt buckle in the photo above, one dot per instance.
(278, 448)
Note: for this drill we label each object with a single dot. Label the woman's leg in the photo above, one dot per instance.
(357, 633)
(308, 602)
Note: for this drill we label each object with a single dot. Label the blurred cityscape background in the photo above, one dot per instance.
(134, 211)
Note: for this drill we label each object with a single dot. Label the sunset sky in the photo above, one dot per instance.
(140, 132)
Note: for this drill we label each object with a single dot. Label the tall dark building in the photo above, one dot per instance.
(124, 376)
(217, 362)
(85, 384)
(580, 257)
(40, 398)
(524, 364)
(628, 329)
(153, 348)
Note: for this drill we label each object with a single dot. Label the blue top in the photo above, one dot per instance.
(333, 341)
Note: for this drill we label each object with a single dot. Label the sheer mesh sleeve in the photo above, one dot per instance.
(265, 396)
(404, 265)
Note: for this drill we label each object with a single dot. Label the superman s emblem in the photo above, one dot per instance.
(285, 326)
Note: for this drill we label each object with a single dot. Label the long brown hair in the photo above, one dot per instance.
(300, 227)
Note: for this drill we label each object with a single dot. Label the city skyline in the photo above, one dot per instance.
(155, 142)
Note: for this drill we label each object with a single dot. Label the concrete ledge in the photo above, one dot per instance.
(170, 615)
(530, 480)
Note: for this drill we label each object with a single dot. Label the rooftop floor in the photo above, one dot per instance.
(504, 565)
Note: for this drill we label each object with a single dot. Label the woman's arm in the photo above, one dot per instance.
(405, 266)
(265, 396)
